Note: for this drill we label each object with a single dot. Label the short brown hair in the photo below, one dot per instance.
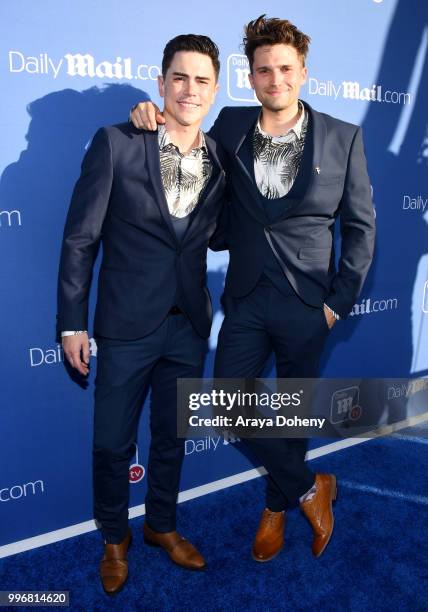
(273, 31)
(191, 42)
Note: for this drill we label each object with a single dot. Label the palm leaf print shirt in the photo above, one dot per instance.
(277, 158)
(183, 176)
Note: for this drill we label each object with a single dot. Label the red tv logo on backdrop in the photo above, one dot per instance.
(136, 470)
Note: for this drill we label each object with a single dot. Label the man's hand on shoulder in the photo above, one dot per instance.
(76, 350)
(146, 116)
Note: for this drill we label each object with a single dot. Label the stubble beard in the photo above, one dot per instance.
(276, 106)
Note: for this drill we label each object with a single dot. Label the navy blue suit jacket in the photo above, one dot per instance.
(302, 238)
(119, 201)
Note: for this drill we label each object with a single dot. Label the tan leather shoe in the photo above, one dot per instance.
(269, 538)
(180, 550)
(114, 565)
(319, 512)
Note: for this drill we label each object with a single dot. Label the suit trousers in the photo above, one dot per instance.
(126, 370)
(268, 320)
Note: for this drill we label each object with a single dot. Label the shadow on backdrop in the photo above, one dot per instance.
(39, 185)
(396, 142)
(396, 137)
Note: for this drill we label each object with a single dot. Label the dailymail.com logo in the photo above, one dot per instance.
(238, 84)
(345, 405)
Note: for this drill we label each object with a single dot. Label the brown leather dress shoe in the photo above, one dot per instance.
(269, 538)
(114, 565)
(180, 550)
(319, 512)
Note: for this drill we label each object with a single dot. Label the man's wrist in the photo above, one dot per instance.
(335, 315)
(72, 333)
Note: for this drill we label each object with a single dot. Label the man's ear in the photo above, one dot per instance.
(304, 74)
(250, 78)
(216, 88)
(161, 85)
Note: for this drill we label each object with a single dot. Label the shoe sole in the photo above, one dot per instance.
(156, 545)
(113, 593)
(270, 558)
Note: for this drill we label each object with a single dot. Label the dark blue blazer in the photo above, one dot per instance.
(302, 237)
(119, 201)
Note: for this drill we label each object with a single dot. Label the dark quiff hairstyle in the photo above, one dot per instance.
(191, 42)
(273, 31)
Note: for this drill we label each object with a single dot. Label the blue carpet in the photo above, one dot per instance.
(376, 560)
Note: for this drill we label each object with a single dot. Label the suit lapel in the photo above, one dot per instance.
(153, 164)
(245, 156)
(245, 159)
(217, 169)
(209, 189)
(319, 130)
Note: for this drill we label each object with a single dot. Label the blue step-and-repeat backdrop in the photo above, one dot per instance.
(68, 68)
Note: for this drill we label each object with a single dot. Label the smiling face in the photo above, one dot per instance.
(277, 76)
(188, 88)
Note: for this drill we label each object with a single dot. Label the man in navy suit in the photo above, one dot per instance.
(291, 172)
(152, 200)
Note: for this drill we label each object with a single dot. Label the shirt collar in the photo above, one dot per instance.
(165, 140)
(297, 128)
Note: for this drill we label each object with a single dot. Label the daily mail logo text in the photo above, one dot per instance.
(81, 65)
(353, 90)
(345, 405)
(240, 90)
(10, 218)
(42, 356)
(22, 490)
(238, 84)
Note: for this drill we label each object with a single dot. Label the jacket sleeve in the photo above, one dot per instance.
(82, 233)
(357, 223)
(216, 133)
(218, 241)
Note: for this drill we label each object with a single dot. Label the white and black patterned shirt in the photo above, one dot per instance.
(183, 176)
(277, 158)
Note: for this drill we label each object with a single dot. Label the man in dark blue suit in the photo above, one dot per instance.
(152, 200)
(291, 172)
